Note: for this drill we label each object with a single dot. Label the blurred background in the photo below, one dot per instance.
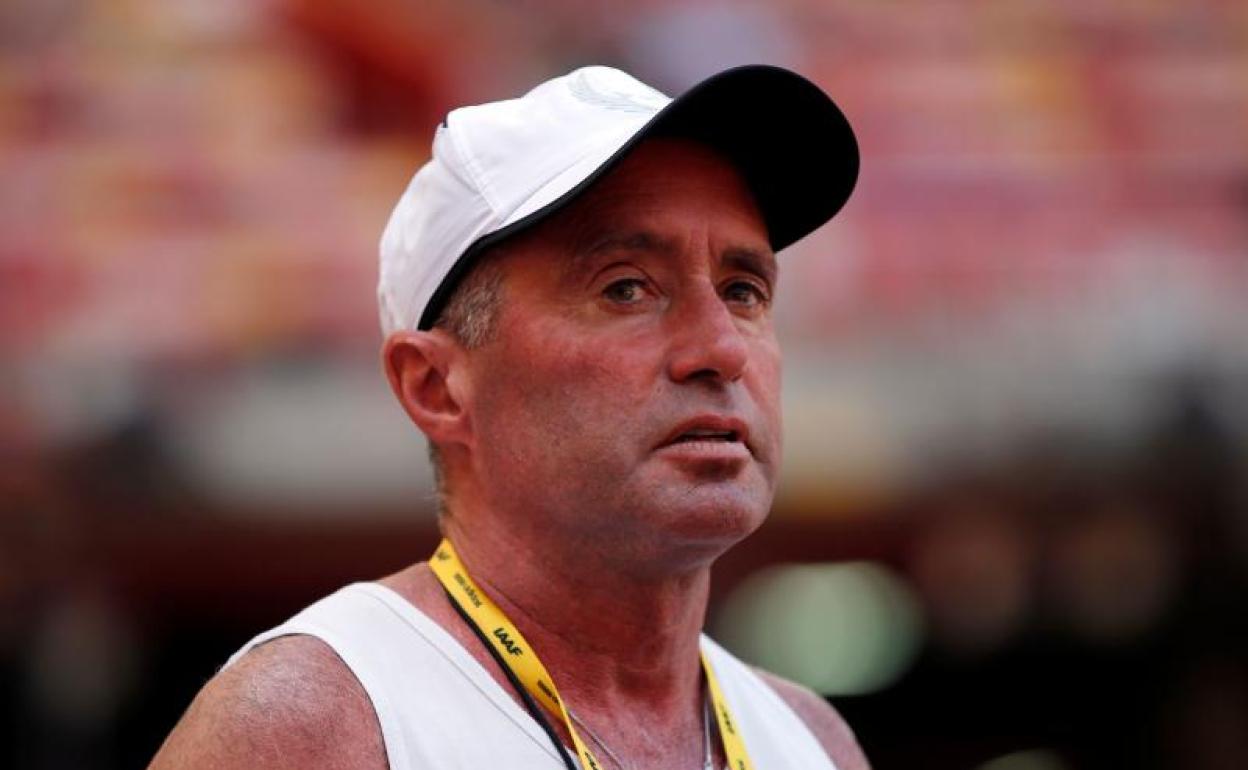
(1012, 532)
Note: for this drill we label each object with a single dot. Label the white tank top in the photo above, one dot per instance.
(440, 709)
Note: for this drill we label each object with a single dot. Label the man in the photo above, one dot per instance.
(577, 293)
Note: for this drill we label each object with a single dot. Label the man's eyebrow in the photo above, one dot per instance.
(758, 261)
(628, 240)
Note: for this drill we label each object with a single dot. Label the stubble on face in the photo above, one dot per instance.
(623, 318)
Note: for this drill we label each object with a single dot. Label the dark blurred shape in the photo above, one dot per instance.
(972, 563)
(1207, 714)
(82, 667)
(1114, 571)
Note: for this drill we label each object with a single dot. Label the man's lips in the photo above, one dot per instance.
(708, 431)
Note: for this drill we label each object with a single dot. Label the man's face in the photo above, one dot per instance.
(631, 395)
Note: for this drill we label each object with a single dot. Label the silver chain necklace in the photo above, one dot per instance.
(707, 762)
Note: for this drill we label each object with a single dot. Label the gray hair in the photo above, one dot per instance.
(471, 316)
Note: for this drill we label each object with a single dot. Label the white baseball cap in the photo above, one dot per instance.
(503, 166)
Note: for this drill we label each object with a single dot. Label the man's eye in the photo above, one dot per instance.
(625, 290)
(745, 293)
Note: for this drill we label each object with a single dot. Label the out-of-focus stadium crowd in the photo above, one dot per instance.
(1015, 500)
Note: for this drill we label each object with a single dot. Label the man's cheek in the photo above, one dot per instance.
(607, 380)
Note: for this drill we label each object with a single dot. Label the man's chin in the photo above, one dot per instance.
(681, 529)
(712, 514)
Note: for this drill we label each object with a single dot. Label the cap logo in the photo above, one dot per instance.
(613, 90)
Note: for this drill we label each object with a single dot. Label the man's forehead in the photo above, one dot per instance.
(634, 205)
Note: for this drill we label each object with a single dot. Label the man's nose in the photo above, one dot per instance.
(706, 341)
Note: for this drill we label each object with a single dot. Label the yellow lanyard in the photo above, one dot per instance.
(512, 647)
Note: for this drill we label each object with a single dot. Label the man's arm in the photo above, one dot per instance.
(823, 720)
(290, 703)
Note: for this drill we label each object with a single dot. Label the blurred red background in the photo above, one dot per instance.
(1016, 385)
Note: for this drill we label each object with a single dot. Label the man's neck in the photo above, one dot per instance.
(613, 641)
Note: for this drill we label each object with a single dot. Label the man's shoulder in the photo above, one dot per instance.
(289, 703)
(824, 721)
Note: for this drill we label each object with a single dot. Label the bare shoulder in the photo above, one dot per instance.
(824, 722)
(290, 703)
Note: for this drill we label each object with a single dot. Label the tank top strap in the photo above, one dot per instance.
(435, 704)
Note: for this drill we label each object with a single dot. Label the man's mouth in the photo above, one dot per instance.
(709, 430)
(705, 434)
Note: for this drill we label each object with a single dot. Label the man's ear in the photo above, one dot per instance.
(422, 370)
